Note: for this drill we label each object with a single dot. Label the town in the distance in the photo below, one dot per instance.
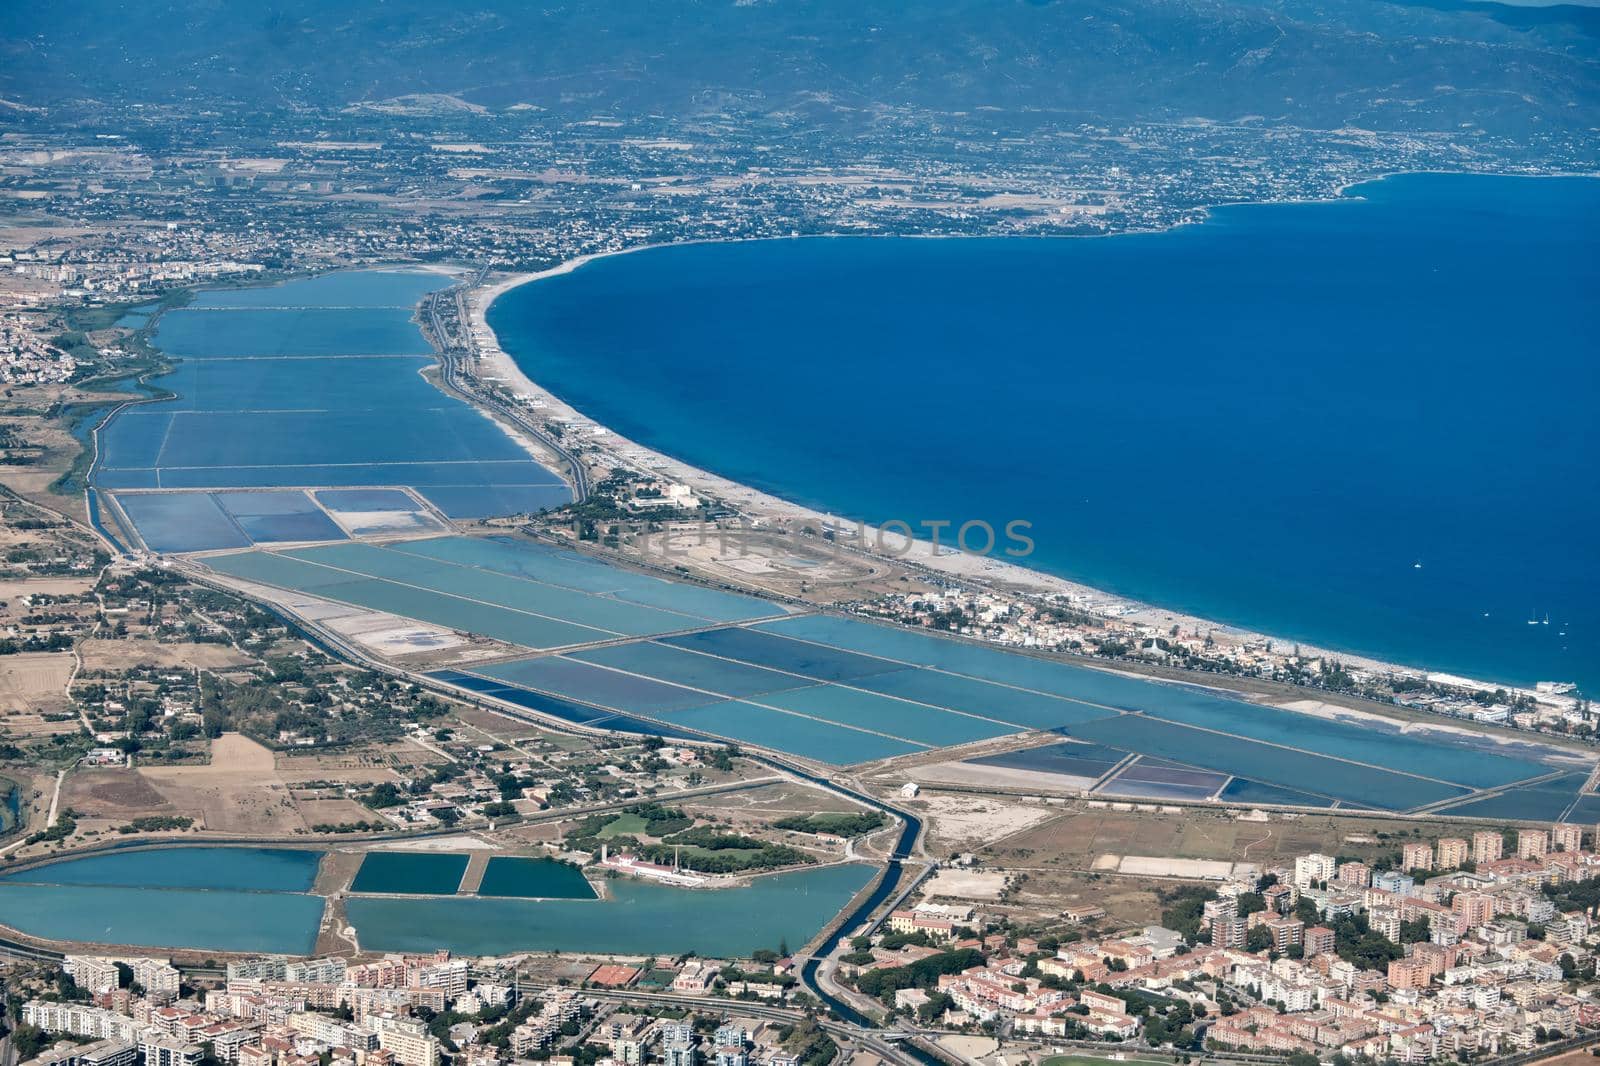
(392, 674)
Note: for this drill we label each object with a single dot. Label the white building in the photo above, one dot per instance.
(159, 1049)
(1310, 869)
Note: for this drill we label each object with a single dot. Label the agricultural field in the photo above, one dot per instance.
(34, 681)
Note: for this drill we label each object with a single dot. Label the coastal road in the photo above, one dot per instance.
(461, 382)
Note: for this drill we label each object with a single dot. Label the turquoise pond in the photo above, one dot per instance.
(298, 333)
(419, 873)
(515, 876)
(840, 691)
(398, 290)
(545, 599)
(639, 918)
(211, 868)
(1365, 424)
(196, 897)
(172, 897)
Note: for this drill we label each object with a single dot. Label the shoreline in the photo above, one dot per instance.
(498, 367)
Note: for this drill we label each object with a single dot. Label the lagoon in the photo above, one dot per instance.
(211, 868)
(165, 918)
(193, 897)
(1365, 424)
(180, 897)
(321, 382)
(639, 918)
(392, 288)
(536, 878)
(412, 873)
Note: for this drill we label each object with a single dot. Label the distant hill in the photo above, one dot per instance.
(1424, 65)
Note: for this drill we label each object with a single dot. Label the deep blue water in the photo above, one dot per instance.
(1268, 419)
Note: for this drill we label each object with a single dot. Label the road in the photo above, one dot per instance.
(875, 1040)
(557, 814)
(463, 384)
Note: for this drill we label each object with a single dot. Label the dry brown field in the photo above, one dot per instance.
(100, 654)
(23, 725)
(334, 811)
(116, 794)
(35, 680)
(365, 767)
(33, 482)
(45, 586)
(239, 792)
(1076, 836)
(767, 803)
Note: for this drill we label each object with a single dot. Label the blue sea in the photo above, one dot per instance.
(1368, 424)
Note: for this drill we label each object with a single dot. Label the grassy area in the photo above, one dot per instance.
(692, 853)
(104, 316)
(844, 824)
(1095, 1060)
(624, 825)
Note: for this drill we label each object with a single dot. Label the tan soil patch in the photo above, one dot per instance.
(32, 680)
(539, 833)
(771, 802)
(122, 654)
(30, 724)
(113, 793)
(999, 777)
(237, 752)
(1081, 836)
(967, 884)
(45, 586)
(1189, 869)
(358, 768)
(335, 811)
(978, 820)
(240, 792)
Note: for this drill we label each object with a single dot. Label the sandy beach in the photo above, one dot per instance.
(761, 507)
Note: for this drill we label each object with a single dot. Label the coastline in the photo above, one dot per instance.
(500, 368)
